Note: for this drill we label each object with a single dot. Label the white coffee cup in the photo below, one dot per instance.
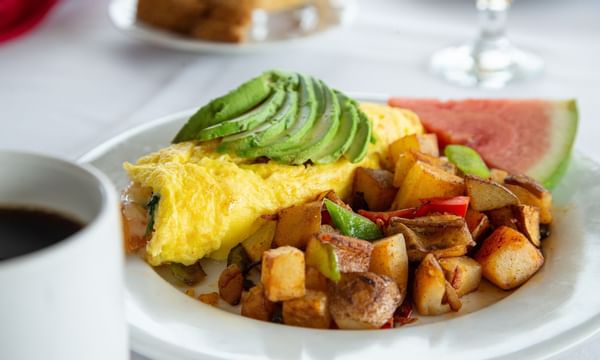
(64, 301)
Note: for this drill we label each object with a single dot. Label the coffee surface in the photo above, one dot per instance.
(24, 230)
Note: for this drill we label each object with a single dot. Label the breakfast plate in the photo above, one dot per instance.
(267, 32)
(555, 310)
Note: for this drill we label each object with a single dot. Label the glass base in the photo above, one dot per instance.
(487, 67)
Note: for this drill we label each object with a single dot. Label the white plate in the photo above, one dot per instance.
(558, 308)
(267, 32)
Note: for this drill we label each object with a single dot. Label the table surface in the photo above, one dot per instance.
(77, 81)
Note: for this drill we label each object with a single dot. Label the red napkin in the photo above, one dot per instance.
(19, 16)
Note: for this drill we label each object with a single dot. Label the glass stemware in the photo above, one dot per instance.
(490, 61)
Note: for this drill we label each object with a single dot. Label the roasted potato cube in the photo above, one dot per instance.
(353, 255)
(389, 258)
(408, 159)
(426, 181)
(498, 175)
(543, 202)
(477, 222)
(283, 273)
(363, 300)
(260, 241)
(423, 143)
(463, 273)
(256, 305)
(297, 224)
(430, 289)
(231, 284)
(376, 187)
(503, 216)
(315, 280)
(311, 311)
(528, 222)
(487, 194)
(508, 259)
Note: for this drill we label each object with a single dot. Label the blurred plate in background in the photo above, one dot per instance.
(268, 30)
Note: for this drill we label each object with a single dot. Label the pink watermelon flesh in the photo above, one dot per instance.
(520, 136)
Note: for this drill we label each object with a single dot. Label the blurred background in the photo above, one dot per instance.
(75, 80)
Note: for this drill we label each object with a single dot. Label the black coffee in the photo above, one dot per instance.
(24, 230)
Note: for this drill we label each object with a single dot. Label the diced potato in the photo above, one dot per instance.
(441, 235)
(255, 304)
(426, 181)
(487, 194)
(508, 259)
(297, 224)
(498, 175)
(528, 222)
(376, 187)
(429, 288)
(231, 284)
(363, 300)
(477, 222)
(260, 241)
(283, 273)
(311, 310)
(424, 143)
(544, 202)
(408, 159)
(353, 255)
(389, 258)
(503, 216)
(463, 273)
(315, 280)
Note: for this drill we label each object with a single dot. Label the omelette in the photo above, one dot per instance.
(211, 201)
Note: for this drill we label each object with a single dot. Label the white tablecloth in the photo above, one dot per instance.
(76, 81)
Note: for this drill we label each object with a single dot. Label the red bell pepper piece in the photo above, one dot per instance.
(457, 205)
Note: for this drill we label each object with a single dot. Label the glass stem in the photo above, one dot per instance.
(492, 23)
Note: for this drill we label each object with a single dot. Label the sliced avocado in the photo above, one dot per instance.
(358, 149)
(266, 131)
(344, 136)
(235, 103)
(302, 123)
(321, 134)
(247, 121)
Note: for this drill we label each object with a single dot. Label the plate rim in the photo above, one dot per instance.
(147, 345)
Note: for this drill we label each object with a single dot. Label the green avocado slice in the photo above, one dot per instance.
(344, 136)
(358, 149)
(235, 103)
(322, 133)
(301, 124)
(244, 122)
(266, 131)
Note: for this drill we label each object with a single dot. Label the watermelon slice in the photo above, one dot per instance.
(533, 137)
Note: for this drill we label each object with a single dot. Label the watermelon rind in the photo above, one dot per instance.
(564, 119)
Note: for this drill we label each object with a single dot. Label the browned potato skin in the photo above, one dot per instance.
(311, 310)
(363, 300)
(354, 255)
(255, 304)
(423, 143)
(477, 222)
(503, 217)
(487, 194)
(315, 280)
(426, 181)
(528, 222)
(463, 273)
(283, 273)
(389, 258)
(377, 187)
(231, 284)
(508, 259)
(429, 288)
(297, 224)
(543, 203)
